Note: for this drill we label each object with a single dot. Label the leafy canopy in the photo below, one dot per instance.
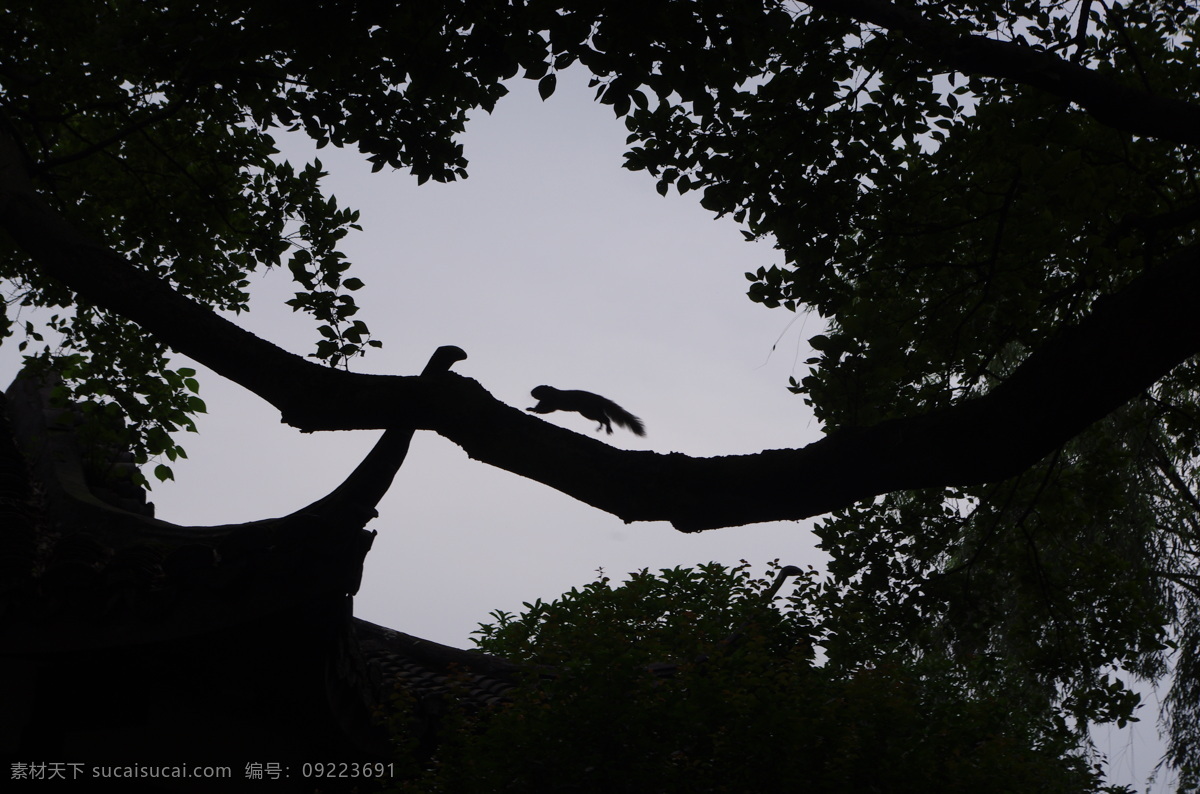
(951, 186)
(693, 680)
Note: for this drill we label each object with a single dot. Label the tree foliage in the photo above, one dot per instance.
(950, 225)
(693, 680)
(993, 204)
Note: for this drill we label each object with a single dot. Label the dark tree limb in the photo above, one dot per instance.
(1111, 102)
(1132, 339)
(370, 481)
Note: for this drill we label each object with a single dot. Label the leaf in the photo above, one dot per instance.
(546, 86)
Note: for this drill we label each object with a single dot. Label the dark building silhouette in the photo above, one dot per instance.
(127, 640)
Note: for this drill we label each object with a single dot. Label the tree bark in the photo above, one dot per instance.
(1131, 340)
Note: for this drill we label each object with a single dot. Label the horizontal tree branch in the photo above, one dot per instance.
(1131, 340)
(1111, 102)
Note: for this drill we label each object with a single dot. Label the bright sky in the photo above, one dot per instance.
(550, 264)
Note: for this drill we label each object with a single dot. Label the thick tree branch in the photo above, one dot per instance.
(105, 279)
(1112, 103)
(1131, 340)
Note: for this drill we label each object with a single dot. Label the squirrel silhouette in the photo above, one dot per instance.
(591, 406)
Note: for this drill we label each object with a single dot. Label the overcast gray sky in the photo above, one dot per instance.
(550, 264)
